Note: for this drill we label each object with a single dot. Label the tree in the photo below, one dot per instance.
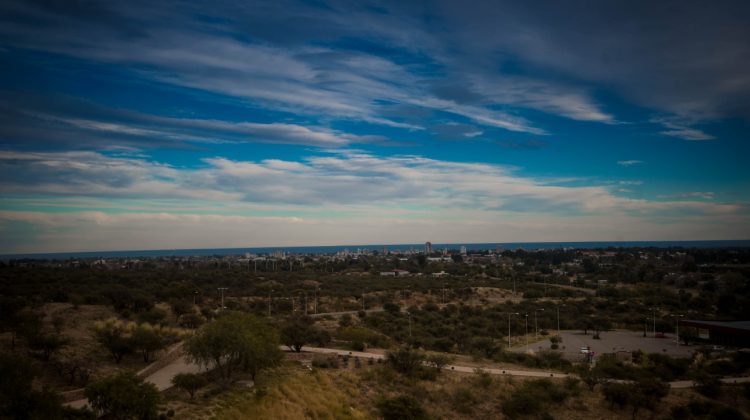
(112, 335)
(438, 361)
(405, 360)
(180, 307)
(391, 308)
(645, 393)
(235, 341)
(18, 398)
(47, 343)
(124, 396)
(297, 332)
(147, 340)
(190, 320)
(189, 382)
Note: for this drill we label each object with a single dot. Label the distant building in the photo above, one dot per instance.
(463, 250)
(428, 247)
(732, 333)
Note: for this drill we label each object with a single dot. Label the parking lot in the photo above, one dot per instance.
(611, 342)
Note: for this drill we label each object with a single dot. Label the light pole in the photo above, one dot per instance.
(527, 329)
(677, 327)
(654, 309)
(509, 314)
(536, 326)
(222, 289)
(558, 319)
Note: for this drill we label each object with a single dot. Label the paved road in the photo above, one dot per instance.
(455, 368)
(162, 378)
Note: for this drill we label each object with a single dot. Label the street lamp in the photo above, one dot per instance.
(654, 309)
(677, 327)
(536, 327)
(527, 329)
(509, 314)
(222, 289)
(558, 319)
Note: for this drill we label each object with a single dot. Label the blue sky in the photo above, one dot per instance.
(133, 125)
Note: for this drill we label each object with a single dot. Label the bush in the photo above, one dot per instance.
(189, 382)
(123, 395)
(405, 360)
(464, 400)
(401, 408)
(325, 362)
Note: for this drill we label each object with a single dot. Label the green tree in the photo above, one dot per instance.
(235, 341)
(297, 332)
(113, 335)
(405, 360)
(18, 398)
(189, 382)
(124, 396)
(147, 340)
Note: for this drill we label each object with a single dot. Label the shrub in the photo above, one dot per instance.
(189, 382)
(464, 400)
(123, 395)
(401, 408)
(325, 362)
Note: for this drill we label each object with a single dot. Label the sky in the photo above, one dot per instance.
(165, 125)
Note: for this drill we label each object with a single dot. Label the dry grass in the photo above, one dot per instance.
(291, 392)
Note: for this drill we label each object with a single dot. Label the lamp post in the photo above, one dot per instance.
(677, 327)
(558, 319)
(509, 314)
(654, 309)
(527, 328)
(222, 289)
(536, 326)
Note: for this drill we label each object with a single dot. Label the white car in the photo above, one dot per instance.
(585, 350)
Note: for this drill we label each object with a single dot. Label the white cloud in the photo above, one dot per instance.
(629, 162)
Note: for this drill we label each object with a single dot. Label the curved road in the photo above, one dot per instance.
(162, 378)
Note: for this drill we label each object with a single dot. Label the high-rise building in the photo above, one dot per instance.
(428, 247)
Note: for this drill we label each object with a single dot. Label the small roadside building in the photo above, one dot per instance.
(730, 333)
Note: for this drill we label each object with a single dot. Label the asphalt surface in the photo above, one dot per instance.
(611, 341)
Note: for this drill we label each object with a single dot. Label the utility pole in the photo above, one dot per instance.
(654, 309)
(527, 329)
(443, 293)
(305, 303)
(316, 300)
(222, 289)
(363, 299)
(677, 327)
(409, 314)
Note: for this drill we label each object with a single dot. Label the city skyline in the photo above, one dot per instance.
(173, 125)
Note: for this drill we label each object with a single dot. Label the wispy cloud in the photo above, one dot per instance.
(630, 162)
(680, 128)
